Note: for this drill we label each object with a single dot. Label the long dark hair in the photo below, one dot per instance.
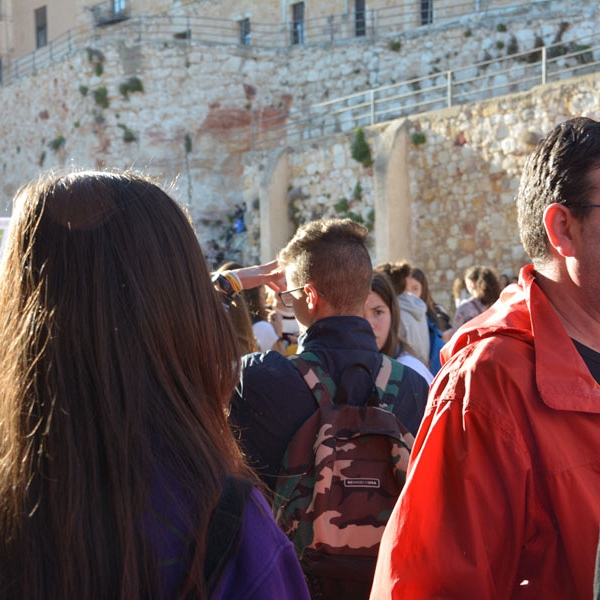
(394, 344)
(397, 273)
(432, 309)
(117, 362)
(487, 286)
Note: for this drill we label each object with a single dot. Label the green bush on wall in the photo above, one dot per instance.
(360, 149)
(56, 143)
(418, 138)
(101, 97)
(133, 84)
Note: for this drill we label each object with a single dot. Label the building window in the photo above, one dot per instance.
(360, 18)
(118, 6)
(426, 12)
(245, 38)
(298, 23)
(41, 27)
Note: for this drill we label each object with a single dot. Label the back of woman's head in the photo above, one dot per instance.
(397, 273)
(116, 361)
(486, 284)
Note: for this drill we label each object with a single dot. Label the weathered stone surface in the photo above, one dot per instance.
(194, 121)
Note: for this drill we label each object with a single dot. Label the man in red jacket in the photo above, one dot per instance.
(503, 493)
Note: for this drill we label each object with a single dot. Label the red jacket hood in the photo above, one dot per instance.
(524, 312)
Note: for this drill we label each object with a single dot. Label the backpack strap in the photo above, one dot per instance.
(222, 537)
(325, 390)
(321, 385)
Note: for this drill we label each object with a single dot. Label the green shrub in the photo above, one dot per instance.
(341, 206)
(360, 149)
(128, 135)
(418, 138)
(133, 84)
(56, 143)
(101, 97)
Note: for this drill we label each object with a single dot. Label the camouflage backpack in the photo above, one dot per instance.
(341, 475)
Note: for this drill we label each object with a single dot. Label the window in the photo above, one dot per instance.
(298, 23)
(245, 38)
(118, 6)
(41, 27)
(426, 12)
(360, 18)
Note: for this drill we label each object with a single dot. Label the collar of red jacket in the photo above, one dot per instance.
(524, 312)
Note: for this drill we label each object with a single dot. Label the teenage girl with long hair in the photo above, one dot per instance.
(117, 363)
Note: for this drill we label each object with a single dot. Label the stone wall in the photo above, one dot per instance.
(462, 171)
(191, 124)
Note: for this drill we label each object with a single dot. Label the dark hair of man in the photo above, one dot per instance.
(397, 273)
(557, 172)
(332, 255)
(117, 362)
(487, 286)
(394, 344)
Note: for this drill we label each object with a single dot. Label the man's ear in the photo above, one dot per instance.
(312, 296)
(559, 224)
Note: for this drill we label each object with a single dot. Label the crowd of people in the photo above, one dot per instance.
(312, 427)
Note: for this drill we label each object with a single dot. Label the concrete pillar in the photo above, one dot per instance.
(393, 231)
(275, 225)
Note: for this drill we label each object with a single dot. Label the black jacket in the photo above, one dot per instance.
(272, 400)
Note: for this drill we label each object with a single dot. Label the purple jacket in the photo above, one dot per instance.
(265, 566)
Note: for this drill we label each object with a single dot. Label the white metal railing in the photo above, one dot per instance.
(517, 72)
(167, 27)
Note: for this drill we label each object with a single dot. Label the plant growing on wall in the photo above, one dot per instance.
(343, 207)
(131, 85)
(418, 138)
(360, 149)
(97, 59)
(513, 46)
(128, 135)
(56, 143)
(101, 97)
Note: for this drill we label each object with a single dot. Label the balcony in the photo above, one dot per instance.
(107, 13)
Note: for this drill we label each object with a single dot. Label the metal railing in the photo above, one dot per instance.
(516, 72)
(165, 28)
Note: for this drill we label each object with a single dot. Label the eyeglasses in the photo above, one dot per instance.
(287, 302)
(583, 205)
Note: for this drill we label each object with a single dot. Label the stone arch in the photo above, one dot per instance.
(392, 200)
(275, 224)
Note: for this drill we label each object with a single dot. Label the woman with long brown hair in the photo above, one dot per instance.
(117, 363)
(383, 313)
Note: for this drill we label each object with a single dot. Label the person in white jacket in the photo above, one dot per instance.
(413, 311)
(382, 312)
